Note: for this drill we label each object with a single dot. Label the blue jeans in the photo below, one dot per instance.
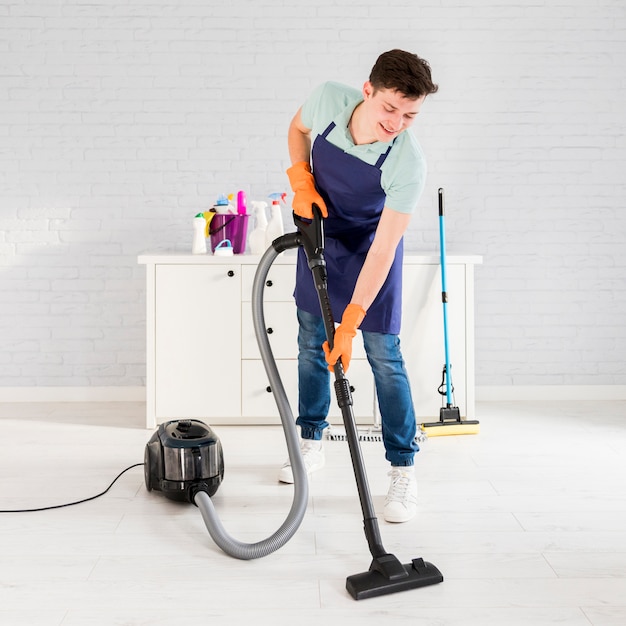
(392, 388)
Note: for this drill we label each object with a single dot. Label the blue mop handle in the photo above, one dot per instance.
(444, 293)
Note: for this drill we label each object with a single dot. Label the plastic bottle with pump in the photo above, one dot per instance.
(256, 240)
(275, 227)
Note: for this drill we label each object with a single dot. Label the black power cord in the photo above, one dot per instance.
(60, 506)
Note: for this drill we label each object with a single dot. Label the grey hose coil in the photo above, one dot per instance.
(231, 546)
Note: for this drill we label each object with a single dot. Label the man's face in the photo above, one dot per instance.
(389, 112)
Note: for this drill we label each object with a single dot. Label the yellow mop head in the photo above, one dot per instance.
(450, 423)
(440, 429)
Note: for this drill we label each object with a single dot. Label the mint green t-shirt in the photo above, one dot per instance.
(403, 174)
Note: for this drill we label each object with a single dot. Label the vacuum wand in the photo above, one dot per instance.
(386, 573)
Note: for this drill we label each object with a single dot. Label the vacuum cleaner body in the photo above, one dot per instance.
(182, 458)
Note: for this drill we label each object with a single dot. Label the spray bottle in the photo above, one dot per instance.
(242, 203)
(256, 240)
(275, 227)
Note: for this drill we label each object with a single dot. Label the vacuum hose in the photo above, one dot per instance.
(233, 547)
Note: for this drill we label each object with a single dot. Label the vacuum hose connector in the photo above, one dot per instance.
(233, 547)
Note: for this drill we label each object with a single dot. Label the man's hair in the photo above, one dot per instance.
(404, 72)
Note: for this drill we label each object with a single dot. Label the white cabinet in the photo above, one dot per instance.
(422, 337)
(203, 360)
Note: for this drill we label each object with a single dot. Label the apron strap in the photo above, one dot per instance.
(328, 130)
(384, 155)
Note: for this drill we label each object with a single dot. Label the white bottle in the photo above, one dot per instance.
(198, 245)
(275, 227)
(256, 240)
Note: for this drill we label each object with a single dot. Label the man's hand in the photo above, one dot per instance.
(345, 333)
(305, 193)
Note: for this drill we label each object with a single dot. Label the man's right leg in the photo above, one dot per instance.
(313, 393)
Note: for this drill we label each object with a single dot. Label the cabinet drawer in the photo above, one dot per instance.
(281, 323)
(257, 399)
(279, 285)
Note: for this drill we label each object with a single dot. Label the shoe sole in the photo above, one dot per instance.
(399, 519)
(288, 480)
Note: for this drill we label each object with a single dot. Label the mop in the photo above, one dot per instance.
(450, 422)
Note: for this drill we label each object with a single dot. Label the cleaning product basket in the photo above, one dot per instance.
(229, 226)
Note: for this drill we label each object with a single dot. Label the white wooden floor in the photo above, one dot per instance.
(527, 522)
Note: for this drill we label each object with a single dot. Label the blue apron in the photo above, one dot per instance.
(355, 201)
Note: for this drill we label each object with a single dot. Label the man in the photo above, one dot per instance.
(351, 155)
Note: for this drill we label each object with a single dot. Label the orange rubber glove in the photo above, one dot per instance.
(305, 193)
(345, 333)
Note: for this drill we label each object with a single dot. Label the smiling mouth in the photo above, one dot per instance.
(389, 132)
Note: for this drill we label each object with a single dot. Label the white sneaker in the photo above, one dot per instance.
(312, 455)
(401, 500)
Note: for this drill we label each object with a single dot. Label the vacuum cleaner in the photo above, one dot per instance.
(184, 458)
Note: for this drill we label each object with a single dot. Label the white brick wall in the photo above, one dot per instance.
(120, 120)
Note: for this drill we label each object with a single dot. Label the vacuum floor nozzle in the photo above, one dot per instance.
(387, 575)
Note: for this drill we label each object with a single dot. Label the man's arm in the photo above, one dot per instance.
(300, 176)
(299, 140)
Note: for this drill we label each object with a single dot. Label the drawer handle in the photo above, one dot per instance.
(231, 273)
(270, 331)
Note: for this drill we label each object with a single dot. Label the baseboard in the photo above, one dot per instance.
(72, 394)
(486, 393)
(550, 393)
